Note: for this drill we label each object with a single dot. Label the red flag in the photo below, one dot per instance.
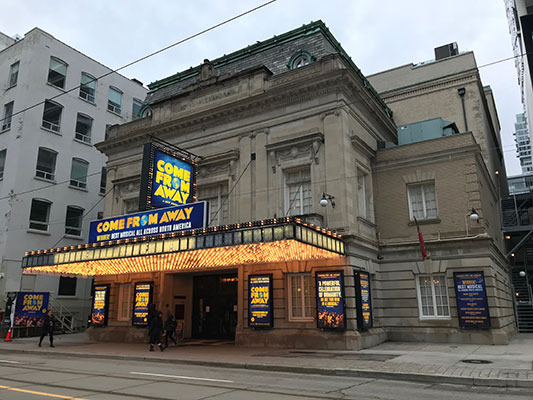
(421, 240)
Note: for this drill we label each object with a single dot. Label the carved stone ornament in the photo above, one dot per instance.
(304, 146)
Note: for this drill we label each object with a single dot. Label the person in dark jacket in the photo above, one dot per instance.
(154, 330)
(48, 328)
(170, 329)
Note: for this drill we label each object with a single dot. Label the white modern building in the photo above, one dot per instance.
(523, 146)
(52, 178)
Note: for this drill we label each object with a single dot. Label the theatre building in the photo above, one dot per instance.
(243, 203)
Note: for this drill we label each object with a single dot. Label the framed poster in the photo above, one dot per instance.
(100, 305)
(363, 300)
(472, 305)
(330, 300)
(31, 308)
(260, 301)
(142, 298)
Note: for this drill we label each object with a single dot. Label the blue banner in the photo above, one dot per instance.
(100, 302)
(149, 223)
(472, 305)
(172, 181)
(31, 308)
(141, 302)
(260, 301)
(330, 300)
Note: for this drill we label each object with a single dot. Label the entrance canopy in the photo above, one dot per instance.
(274, 240)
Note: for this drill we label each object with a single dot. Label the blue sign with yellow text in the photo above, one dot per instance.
(149, 223)
(31, 308)
(141, 302)
(260, 297)
(172, 181)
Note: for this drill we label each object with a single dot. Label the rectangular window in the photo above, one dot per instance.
(433, 296)
(78, 173)
(84, 126)
(57, 73)
(114, 102)
(74, 220)
(363, 195)
(52, 116)
(136, 110)
(40, 214)
(8, 112)
(103, 180)
(46, 164)
(13, 74)
(67, 286)
(217, 197)
(87, 87)
(3, 154)
(107, 127)
(298, 196)
(302, 297)
(422, 201)
(125, 302)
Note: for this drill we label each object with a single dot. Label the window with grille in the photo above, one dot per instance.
(78, 173)
(67, 286)
(433, 296)
(84, 125)
(125, 302)
(74, 220)
(136, 109)
(114, 101)
(13, 74)
(57, 73)
(87, 87)
(217, 197)
(40, 214)
(8, 112)
(46, 164)
(298, 195)
(52, 116)
(302, 297)
(422, 201)
(3, 154)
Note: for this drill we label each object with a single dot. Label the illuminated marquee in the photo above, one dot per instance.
(168, 178)
(149, 223)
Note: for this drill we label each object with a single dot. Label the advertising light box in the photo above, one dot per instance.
(330, 300)
(168, 179)
(100, 305)
(363, 300)
(260, 301)
(472, 305)
(141, 302)
(149, 223)
(31, 308)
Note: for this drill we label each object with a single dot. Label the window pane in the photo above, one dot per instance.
(2, 162)
(57, 73)
(78, 173)
(309, 296)
(430, 200)
(296, 296)
(46, 164)
(67, 286)
(136, 111)
(114, 102)
(13, 74)
(298, 191)
(125, 301)
(416, 202)
(216, 196)
(103, 180)
(88, 87)
(52, 116)
(39, 214)
(73, 221)
(8, 112)
(83, 128)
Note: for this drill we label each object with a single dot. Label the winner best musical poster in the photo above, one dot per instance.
(260, 301)
(100, 305)
(330, 300)
(141, 301)
(472, 305)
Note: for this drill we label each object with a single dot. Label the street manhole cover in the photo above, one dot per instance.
(477, 361)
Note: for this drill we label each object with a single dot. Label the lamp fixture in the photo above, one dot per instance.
(474, 216)
(327, 198)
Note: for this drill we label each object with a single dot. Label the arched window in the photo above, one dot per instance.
(300, 59)
(57, 73)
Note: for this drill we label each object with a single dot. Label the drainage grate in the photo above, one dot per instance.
(477, 361)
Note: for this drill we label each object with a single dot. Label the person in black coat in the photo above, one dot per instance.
(48, 328)
(154, 330)
(170, 329)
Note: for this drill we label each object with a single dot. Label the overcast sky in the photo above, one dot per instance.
(378, 35)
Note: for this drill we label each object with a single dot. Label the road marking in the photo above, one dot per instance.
(9, 362)
(182, 377)
(59, 396)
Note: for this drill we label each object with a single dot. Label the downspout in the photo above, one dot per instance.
(461, 93)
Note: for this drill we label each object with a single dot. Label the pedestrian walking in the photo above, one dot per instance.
(48, 328)
(170, 329)
(155, 329)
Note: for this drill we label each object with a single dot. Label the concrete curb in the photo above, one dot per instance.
(359, 373)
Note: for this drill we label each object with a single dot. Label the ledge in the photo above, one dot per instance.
(425, 222)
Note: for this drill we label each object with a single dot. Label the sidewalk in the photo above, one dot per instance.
(506, 366)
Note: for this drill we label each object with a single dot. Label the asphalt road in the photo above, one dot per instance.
(34, 377)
